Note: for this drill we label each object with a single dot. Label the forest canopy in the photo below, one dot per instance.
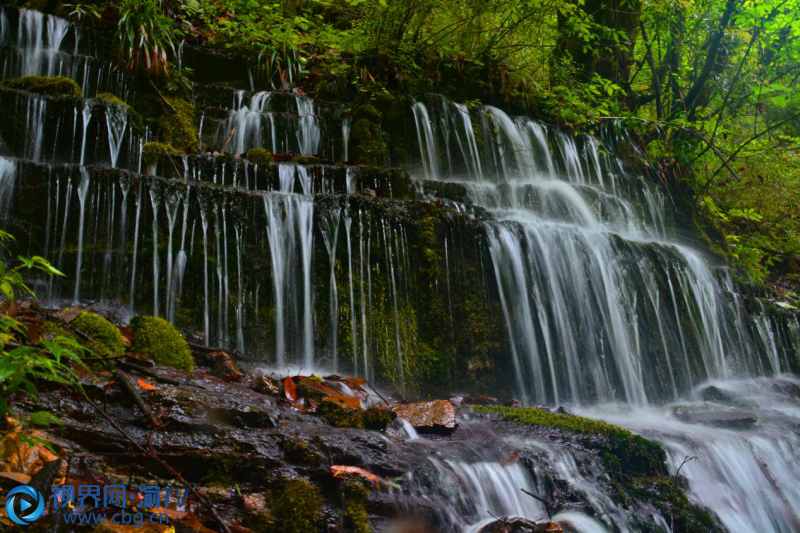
(709, 86)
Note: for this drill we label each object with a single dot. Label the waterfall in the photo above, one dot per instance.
(117, 120)
(308, 133)
(8, 174)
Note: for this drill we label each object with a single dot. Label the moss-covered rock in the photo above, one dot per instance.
(106, 340)
(160, 341)
(622, 451)
(368, 144)
(55, 86)
(672, 502)
(296, 507)
(367, 112)
(177, 125)
(153, 152)
(259, 156)
(366, 138)
(108, 97)
(337, 415)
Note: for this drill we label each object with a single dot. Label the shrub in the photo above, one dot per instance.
(160, 341)
(106, 338)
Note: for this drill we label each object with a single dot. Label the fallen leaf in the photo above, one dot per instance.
(19, 477)
(344, 401)
(289, 389)
(340, 470)
(509, 460)
(69, 314)
(145, 385)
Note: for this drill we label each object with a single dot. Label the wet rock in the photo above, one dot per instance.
(255, 508)
(520, 525)
(563, 410)
(729, 419)
(225, 368)
(513, 402)
(266, 385)
(480, 399)
(715, 394)
(436, 416)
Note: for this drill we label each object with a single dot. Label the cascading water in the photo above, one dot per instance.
(602, 301)
(578, 262)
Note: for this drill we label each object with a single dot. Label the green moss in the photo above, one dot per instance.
(259, 156)
(339, 416)
(306, 160)
(153, 152)
(106, 339)
(310, 393)
(298, 452)
(296, 508)
(55, 329)
(344, 417)
(177, 125)
(108, 97)
(621, 450)
(672, 502)
(367, 112)
(55, 86)
(355, 498)
(160, 341)
(368, 144)
(377, 418)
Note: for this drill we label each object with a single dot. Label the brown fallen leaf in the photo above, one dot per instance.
(19, 477)
(145, 385)
(340, 470)
(510, 459)
(69, 314)
(344, 401)
(289, 389)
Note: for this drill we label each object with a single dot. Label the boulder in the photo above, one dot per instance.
(520, 525)
(434, 416)
(728, 419)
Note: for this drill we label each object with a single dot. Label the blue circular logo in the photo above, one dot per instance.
(24, 505)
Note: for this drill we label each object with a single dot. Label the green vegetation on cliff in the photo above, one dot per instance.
(55, 86)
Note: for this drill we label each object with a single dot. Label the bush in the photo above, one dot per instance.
(106, 339)
(158, 340)
(55, 86)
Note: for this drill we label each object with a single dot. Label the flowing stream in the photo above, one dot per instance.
(604, 295)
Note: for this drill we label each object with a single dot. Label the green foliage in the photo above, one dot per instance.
(105, 336)
(55, 86)
(144, 36)
(259, 156)
(23, 366)
(160, 341)
(296, 507)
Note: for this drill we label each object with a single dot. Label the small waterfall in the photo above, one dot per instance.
(308, 132)
(330, 234)
(8, 175)
(347, 124)
(117, 121)
(83, 189)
